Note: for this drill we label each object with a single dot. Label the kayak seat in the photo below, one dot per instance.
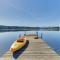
(20, 41)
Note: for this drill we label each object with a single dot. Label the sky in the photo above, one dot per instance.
(30, 12)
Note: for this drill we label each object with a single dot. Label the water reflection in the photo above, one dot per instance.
(53, 39)
(6, 40)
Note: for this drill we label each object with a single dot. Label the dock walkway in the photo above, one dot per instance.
(37, 49)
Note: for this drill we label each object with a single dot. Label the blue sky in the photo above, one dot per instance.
(30, 12)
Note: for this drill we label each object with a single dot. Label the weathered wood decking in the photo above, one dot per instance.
(37, 50)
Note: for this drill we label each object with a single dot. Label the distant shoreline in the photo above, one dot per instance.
(26, 28)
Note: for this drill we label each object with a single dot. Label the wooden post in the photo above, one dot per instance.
(41, 35)
(19, 35)
(37, 34)
(25, 33)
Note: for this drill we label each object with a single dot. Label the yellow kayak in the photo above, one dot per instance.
(18, 44)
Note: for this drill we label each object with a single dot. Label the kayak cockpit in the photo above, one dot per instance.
(20, 41)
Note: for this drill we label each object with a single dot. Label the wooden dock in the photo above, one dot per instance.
(37, 49)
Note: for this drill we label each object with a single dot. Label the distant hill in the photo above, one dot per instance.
(18, 28)
(50, 28)
(27, 28)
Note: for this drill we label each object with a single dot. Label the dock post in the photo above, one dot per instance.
(19, 35)
(37, 34)
(25, 34)
(41, 35)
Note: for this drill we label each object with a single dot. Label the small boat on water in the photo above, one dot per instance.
(18, 44)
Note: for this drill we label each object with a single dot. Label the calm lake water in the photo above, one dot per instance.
(51, 37)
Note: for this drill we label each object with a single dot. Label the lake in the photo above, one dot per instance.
(51, 37)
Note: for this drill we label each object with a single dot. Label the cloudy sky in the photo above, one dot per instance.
(30, 12)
